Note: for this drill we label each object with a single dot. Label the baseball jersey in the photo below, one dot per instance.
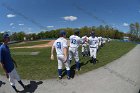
(84, 39)
(74, 41)
(93, 42)
(59, 44)
(5, 58)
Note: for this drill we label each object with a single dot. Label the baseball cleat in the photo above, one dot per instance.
(68, 77)
(17, 91)
(78, 69)
(60, 77)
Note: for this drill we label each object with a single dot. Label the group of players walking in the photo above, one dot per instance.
(90, 46)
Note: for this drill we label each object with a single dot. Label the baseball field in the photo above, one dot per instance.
(33, 59)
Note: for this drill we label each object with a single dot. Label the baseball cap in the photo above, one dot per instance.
(77, 32)
(92, 33)
(5, 36)
(62, 32)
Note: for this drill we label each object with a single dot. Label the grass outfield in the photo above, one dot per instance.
(40, 66)
(29, 43)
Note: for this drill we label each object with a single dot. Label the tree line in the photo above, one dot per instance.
(104, 31)
(134, 32)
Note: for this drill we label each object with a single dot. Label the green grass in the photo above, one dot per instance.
(40, 67)
(29, 43)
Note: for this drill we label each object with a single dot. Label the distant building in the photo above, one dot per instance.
(25, 39)
(125, 38)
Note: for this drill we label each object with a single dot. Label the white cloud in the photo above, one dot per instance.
(70, 18)
(50, 26)
(11, 24)
(125, 24)
(10, 15)
(20, 24)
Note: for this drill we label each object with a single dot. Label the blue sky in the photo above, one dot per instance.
(53, 14)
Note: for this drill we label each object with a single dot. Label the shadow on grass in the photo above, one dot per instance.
(73, 67)
(2, 83)
(31, 87)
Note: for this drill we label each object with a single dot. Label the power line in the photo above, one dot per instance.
(91, 14)
(23, 16)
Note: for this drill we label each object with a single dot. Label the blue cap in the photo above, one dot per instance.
(77, 32)
(5, 36)
(92, 33)
(62, 32)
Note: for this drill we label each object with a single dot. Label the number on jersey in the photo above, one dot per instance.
(59, 45)
(73, 41)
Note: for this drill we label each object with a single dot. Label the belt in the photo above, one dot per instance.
(93, 47)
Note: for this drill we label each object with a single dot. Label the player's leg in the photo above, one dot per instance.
(97, 48)
(16, 76)
(59, 58)
(76, 56)
(12, 82)
(94, 55)
(91, 55)
(68, 69)
(83, 50)
(70, 55)
(88, 50)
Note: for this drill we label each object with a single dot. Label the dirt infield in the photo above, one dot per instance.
(49, 44)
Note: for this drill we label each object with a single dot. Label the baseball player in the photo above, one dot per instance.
(100, 41)
(73, 49)
(61, 46)
(8, 64)
(93, 43)
(84, 45)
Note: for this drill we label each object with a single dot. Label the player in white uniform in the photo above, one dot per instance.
(100, 40)
(93, 43)
(61, 47)
(73, 49)
(84, 45)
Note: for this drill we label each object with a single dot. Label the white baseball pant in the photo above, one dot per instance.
(62, 61)
(83, 47)
(13, 75)
(73, 52)
(93, 51)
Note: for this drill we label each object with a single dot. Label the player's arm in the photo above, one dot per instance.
(89, 41)
(79, 41)
(65, 51)
(52, 51)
